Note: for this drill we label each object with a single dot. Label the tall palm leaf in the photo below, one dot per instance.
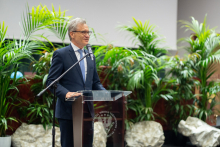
(3, 31)
(146, 37)
(40, 18)
(60, 29)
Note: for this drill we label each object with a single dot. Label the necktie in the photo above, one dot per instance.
(82, 66)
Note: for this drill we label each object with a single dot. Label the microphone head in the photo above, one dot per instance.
(88, 46)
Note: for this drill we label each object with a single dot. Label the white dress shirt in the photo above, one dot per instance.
(75, 48)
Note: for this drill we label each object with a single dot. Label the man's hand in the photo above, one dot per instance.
(72, 94)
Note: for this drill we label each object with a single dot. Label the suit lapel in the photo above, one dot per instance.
(73, 57)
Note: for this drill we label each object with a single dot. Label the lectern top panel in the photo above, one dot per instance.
(101, 95)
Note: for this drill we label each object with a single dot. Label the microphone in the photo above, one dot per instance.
(88, 46)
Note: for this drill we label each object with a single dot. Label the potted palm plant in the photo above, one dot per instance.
(181, 105)
(150, 88)
(150, 63)
(12, 53)
(40, 111)
(205, 54)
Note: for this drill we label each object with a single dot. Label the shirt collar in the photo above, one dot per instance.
(75, 48)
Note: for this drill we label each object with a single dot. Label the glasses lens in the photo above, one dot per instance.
(85, 32)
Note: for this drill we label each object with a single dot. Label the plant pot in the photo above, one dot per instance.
(5, 141)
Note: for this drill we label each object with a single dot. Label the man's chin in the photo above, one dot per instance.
(86, 43)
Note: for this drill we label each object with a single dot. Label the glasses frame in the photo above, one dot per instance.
(84, 32)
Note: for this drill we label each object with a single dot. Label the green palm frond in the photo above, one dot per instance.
(150, 74)
(60, 29)
(199, 29)
(39, 18)
(146, 37)
(3, 31)
(136, 80)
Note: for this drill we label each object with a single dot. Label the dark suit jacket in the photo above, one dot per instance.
(72, 81)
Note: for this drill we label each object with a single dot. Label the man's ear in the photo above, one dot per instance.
(72, 35)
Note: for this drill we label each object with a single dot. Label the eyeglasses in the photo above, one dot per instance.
(84, 32)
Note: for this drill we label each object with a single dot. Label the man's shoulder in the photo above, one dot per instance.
(64, 49)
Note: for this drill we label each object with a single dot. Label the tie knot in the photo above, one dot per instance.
(80, 51)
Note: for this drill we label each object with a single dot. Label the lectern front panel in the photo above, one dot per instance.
(109, 118)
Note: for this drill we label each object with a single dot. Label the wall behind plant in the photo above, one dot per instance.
(103, 16)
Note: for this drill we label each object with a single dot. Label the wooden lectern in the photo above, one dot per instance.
(109, 108)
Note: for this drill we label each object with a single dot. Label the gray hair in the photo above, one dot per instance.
(73, 25)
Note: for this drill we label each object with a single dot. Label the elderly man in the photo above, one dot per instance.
(81, 77)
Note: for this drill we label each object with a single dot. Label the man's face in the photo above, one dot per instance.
(79, 39)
